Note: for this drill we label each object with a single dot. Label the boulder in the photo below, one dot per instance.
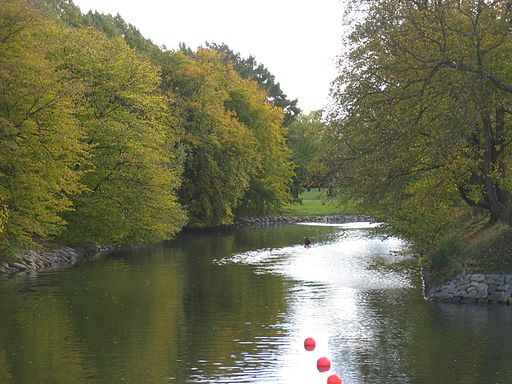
(478, 277)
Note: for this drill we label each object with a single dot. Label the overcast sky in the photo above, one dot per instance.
(297, 40)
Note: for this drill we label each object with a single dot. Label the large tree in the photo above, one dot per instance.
(41, 141)
(135, 166)
(219, 149)
(249, 68)
(307, 142)
(422, 128)
(236, 159)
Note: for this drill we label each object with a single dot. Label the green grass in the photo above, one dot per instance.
(484, 249)
(490, 251)
(313, 195)
(314, 203)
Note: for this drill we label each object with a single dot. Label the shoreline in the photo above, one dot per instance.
(469, 288)
(32, 262)
(264, 220)
(465, 288)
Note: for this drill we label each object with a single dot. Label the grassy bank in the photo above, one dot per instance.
(482, 249)
(316, 203)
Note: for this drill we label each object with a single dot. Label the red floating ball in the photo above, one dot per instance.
(334, 379)
(309, 344)
(323, 364)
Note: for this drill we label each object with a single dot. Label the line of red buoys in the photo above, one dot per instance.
(323, 364)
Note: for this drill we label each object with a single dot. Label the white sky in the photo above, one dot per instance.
(297, 40)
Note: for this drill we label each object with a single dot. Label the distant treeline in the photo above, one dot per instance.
(106, 137)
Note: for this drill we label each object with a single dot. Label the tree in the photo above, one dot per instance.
(236, 159)
(249, 68)
(270, 184)
(135, 165)
(423, 117)
(306, 139)
(116, 27)
(40, 139)
(219, 150)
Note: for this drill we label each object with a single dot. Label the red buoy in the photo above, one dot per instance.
(309, 344)
(334, 379)
(323, 364)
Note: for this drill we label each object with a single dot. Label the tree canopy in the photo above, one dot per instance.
(249, 68)
(40, 139)
(422, 125)
(134, 167)
(106, 137)
(235, 153)
(306, 139)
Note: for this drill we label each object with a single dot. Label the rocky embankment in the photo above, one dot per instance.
(32, 261)
(473, 288)
(300, 219)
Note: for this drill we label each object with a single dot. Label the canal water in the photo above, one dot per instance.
(235, 306)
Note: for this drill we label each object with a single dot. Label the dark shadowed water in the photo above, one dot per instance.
(235, 307)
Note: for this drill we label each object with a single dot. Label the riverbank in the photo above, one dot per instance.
(32, 261)
(477, 270)
(471, 288)
(266, 220)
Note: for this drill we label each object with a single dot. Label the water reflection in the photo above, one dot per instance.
(235, 306)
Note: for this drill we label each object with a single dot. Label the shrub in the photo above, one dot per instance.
(446, 253)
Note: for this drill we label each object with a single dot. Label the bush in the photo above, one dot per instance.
(446, 253)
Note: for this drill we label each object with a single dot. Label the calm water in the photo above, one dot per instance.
(235, 307)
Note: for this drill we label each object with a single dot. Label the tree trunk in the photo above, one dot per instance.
(497, 198)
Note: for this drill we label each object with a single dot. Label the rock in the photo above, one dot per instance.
(470, 295)
(482, 287)
(463, 287)
(497, 278)
(481, 294)
(449, 286)
(20, 266)
(503, 287)
(478, 277)
(499, 297)
(444, 295)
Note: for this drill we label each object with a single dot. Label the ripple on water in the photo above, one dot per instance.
(342, 262)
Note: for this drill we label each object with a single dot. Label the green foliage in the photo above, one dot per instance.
(236, 156)
(99, 125)
(446, 253)
(249, 68)
(306, 141)
(219, 149)
(116, 27)
(134, 164)
(421, 134)
(270, 184)
(40, 140)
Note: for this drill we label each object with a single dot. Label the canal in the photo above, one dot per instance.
(235, 305)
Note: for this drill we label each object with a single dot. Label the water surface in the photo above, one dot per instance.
(234, 306)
